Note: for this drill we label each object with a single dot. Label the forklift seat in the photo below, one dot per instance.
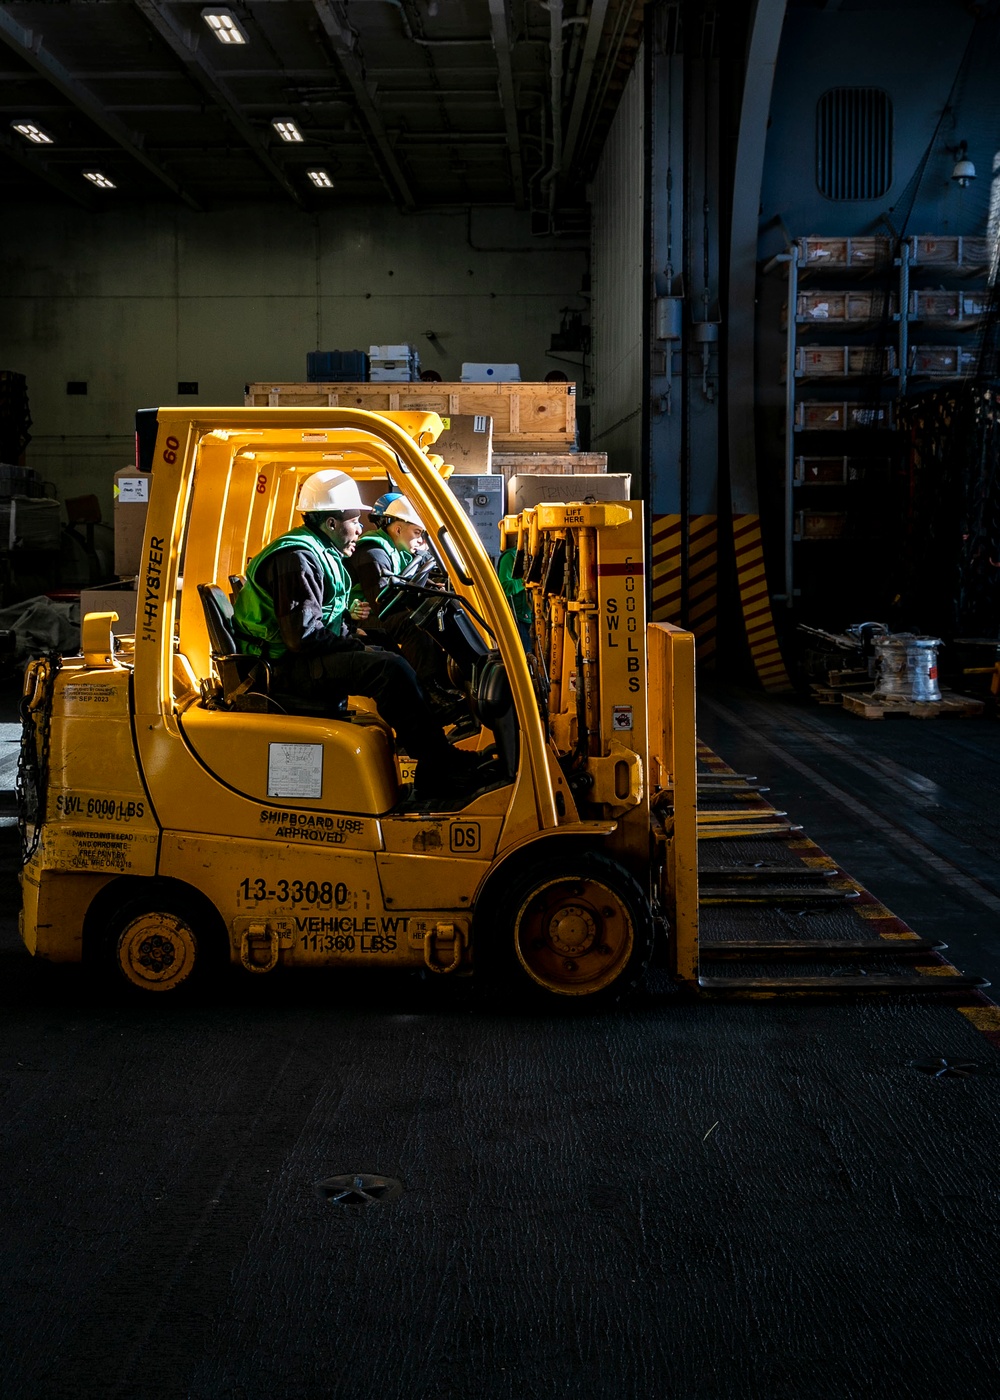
(246, 680)
(219, 619)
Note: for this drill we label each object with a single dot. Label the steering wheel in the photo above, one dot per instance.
(399, 588)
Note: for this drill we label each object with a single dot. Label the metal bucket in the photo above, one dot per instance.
(907, 668)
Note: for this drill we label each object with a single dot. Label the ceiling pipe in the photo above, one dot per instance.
(555, 9)
(500, 23)
(428, 43)
(343, 39)
(595, 29)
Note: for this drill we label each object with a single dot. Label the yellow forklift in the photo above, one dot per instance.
(177, 812)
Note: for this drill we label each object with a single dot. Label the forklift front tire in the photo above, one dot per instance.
(153, 946)
(578, 929)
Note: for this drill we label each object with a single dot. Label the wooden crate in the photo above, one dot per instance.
(953, 250)
(860, 253)
(819, 471)
(839, 361)
(941, 308)
(860, 415)
(842, 308)
(813, 416)
(820, 524)
(526, 417)
(824, 471)
(942, 361)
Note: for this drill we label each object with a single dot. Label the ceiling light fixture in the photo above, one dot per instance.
(287, 130)
(100, 180)
(321, 179)
(33, 133)
(222, 23)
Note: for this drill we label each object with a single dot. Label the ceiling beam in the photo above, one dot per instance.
(186, 47)
(29, 45)
(343, 38)
(500, 21)
(40, 168)
(591, 47)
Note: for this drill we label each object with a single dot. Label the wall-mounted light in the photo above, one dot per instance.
(32, 133)
(321, 179)
(96, 177)
(223, 24)
(964, 172)
(287, 130)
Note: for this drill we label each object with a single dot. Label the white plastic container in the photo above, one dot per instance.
(479, 373)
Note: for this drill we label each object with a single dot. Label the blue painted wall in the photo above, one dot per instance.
(913, 52)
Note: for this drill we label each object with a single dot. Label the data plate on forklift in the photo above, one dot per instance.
(295, 770)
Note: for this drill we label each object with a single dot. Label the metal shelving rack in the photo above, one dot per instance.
(922, 258)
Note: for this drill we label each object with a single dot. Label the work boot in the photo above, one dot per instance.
(447, 706)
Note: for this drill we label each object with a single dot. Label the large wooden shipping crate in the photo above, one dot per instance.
(526, 417)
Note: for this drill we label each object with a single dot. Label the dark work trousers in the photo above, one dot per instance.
(429, 660)
(383, 676)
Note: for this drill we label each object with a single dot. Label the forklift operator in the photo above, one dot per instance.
(293, 612)
(384, 552)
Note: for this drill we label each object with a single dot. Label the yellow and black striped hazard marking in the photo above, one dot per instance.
(756, 603)
(703, 569)
(703, 584)
(666, 569)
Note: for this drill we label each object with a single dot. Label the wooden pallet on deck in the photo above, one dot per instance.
(956, 706)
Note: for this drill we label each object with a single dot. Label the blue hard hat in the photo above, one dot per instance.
(383, 502)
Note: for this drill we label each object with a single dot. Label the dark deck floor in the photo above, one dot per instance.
(723, 1201)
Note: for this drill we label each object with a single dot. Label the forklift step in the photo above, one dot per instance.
(806, 986)
(818, 947)
(762, 874)
(749, 893)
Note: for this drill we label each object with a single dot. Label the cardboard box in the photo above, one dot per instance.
(482, 499)
(111, 597)
(467, 443)
(131, 503)
(525, 491)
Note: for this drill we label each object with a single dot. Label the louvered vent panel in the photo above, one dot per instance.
(854, 143)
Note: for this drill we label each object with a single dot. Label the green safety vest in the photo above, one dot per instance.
(380, 539)
(514, 587)
(253, 612)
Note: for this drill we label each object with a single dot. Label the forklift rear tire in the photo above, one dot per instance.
(577, 928)
(153, 946)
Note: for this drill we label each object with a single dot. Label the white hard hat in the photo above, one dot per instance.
(402, 510)
(329, 490)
